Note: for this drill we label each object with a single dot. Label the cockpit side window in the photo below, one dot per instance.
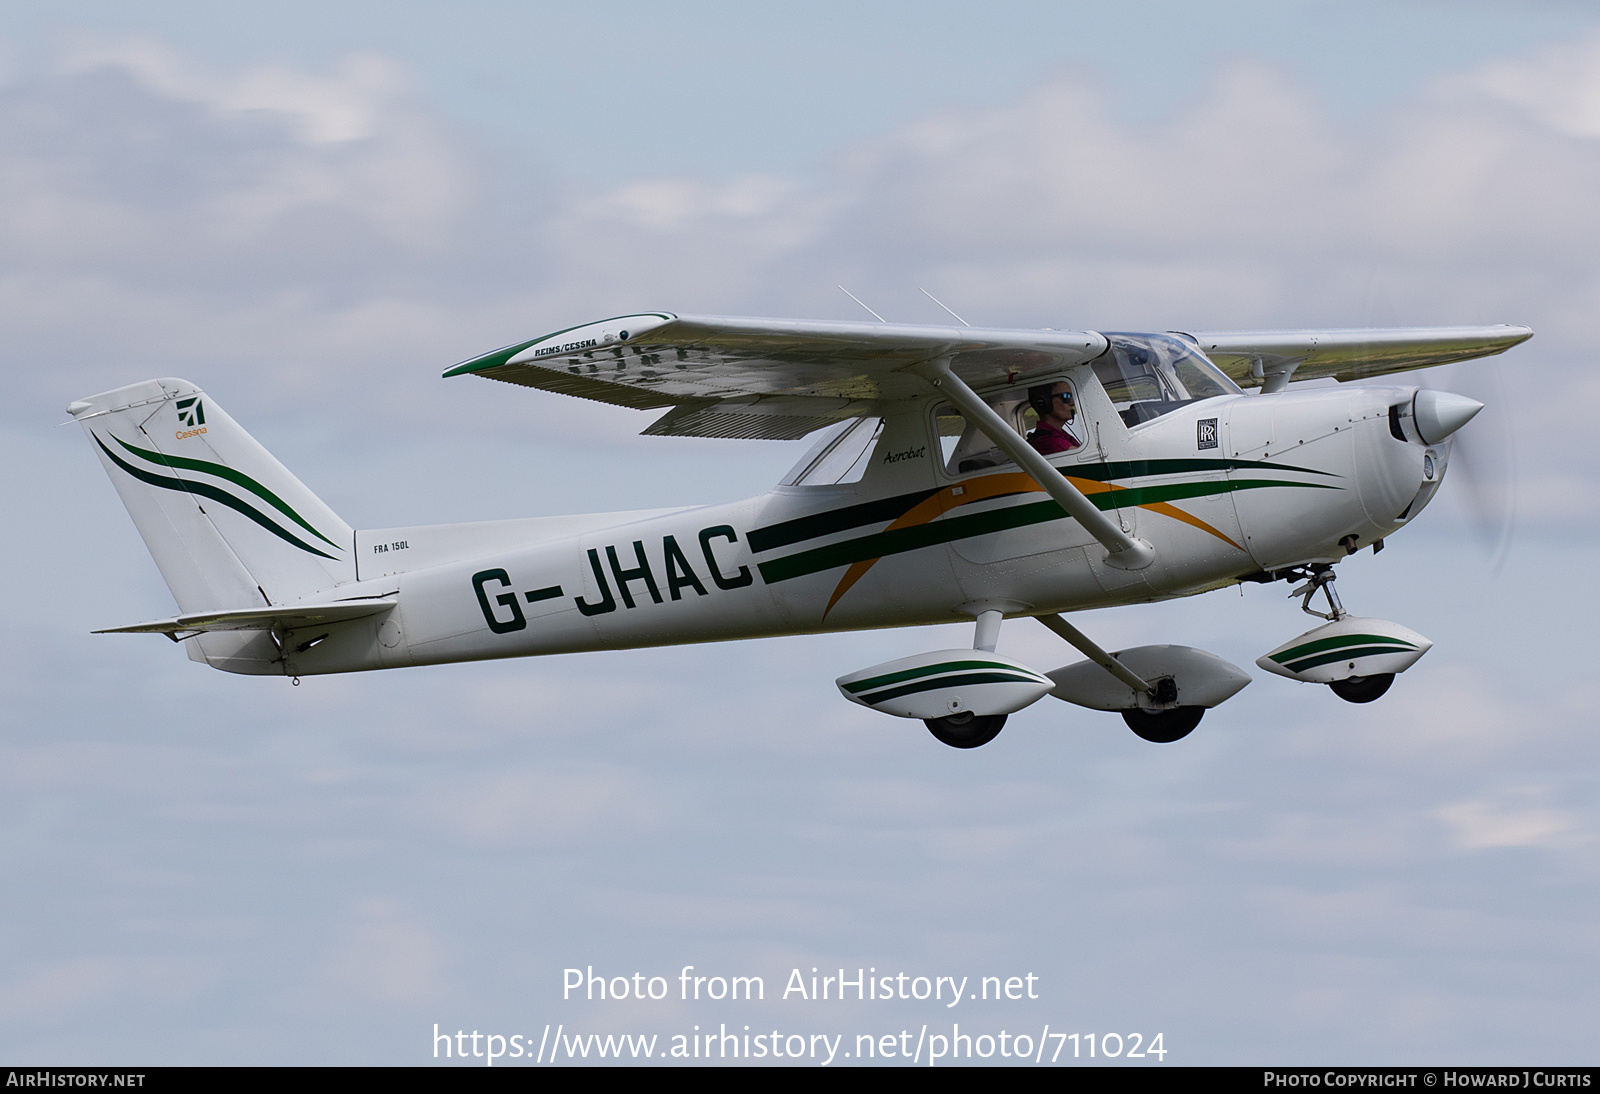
(1148, 375)
(966, 449)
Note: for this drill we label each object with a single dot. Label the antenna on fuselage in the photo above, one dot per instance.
(857, 299)
(941, 303)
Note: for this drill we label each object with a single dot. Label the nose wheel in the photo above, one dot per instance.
(1362, 689)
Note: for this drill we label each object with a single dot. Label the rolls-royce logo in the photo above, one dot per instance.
(1206, 433)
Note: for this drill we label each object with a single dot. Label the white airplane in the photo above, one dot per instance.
(1149, 475)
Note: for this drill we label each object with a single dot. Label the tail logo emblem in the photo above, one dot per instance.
(191, 412)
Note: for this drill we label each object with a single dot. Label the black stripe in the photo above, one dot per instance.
(938, 682)
(548, 593)
(835, 520)
(887, 509)
(899, 540)
(205, 490)
(879, 544)
(1133, 469)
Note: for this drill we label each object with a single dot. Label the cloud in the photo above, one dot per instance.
(325, 110)
(325, 230)
(131, 168)
(1518, 817)
(1559, 86)
(386, 955)
(550, 807)
(53, 991)
(318, 244)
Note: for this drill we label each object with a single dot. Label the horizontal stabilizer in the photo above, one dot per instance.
(282, 617)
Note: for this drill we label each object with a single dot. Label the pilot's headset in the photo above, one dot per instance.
(1040, 397)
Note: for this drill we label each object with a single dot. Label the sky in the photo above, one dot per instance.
(313, 210)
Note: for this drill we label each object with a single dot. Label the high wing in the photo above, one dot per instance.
(769, 378)
(782, 378)
(1250, 357)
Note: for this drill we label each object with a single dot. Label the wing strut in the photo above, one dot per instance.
(1123, 551)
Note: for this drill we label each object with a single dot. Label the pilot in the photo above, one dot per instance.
(1053, 403)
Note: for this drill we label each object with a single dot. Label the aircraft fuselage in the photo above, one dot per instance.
(1220, 488)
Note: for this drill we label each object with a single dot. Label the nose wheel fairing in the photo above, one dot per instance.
(1347, 648)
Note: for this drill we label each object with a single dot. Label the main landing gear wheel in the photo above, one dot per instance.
(1164, 726)
(1362, 689)
(966, 730)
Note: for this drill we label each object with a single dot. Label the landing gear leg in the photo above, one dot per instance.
(966, 729)
(1352, 689)
(1320, 578)
(1160, 726)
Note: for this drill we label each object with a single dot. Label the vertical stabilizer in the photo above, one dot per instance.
(227, 524)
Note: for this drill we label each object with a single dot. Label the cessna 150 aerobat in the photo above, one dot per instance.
(961, 473)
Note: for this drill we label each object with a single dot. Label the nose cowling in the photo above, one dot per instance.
(1438, 414)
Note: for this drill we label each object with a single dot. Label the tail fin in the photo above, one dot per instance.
(228, 525)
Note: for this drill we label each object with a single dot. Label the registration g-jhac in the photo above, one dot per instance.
(1192, 461)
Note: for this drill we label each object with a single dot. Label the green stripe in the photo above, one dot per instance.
(948, 681)
(1336, 642)
(499, 357)
(1133, 469)
(496, 358)
(1345, 655)
(835, 520)
(206, 490)
(925, 670)
(1149, 495)
(901, 540)
(238, 477)
(888, 509)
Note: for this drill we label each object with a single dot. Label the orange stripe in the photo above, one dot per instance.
(1166, 509)
(994, 486)
(936, 506)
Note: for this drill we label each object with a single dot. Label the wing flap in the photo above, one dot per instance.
(772, 418)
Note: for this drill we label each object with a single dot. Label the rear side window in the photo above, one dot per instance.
(840, 457)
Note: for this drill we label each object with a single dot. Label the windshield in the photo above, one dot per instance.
(1148, 375)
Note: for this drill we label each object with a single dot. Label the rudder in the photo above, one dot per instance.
(227, 524)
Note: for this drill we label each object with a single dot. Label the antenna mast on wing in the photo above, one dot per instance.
(941, 303)
(857, 299)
